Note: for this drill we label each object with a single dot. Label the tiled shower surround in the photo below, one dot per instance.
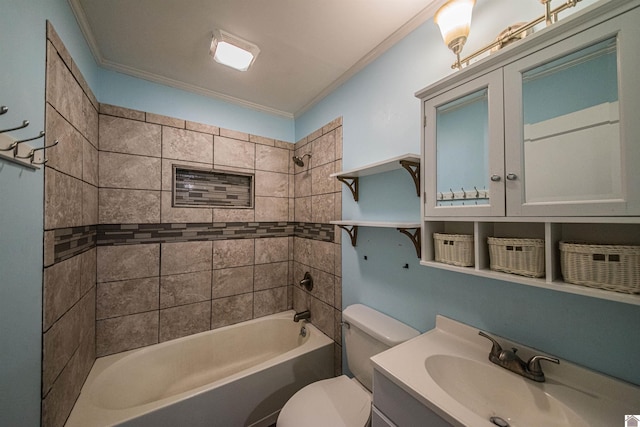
(126, 269)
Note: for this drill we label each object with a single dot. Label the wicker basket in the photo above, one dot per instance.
(610, 267)
(524, 257)
(456, 249)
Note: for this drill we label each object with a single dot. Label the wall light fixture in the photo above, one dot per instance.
(233, 51)
(454, 20)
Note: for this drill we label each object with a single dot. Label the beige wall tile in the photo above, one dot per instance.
(88, 270)
(89, 204)
(272, 159)
(303, 183)
(233, 253)
(272, 249)
(165, 120)
(126, 333)
(67, 155)
(91, 121)
(90, 161)
(232, 281)
(272, 275)
(127, 262)
(322, 316)
(118, 206)
(303, 209)
(125, 113)
(231, 310)
(337, 122)
(126, 297)
(339, 134)
(271, 184)
(62, 200)
(261, 140)
(187, 145)
(62, 91)
(321, 181)
(234, 134)
(129, 136)
(324, 149)
(180, 289)
(322, 208)
(186, 257)
(302, 250)
(271, 208)
(61, 289)
(184, 320)
(232, 152)
(322, 255)
(204, 128)
(119, 170)
(269, 301)
(233, 215)
(170, 214)
(337, 294)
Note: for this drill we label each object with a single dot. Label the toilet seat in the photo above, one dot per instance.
(335, 402)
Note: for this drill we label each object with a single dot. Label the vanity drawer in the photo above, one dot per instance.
(399, 407)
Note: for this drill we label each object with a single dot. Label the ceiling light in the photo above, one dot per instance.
(232, 51)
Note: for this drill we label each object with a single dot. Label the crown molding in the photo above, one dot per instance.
(423, 16)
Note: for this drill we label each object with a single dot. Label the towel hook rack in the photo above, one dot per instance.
(32, 153)
(24, 124)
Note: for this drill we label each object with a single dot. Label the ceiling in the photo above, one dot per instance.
(307, 47)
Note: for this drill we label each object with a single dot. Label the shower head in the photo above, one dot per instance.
(298, 159)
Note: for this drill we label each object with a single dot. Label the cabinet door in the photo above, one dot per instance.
(571, 125)
(464, 149)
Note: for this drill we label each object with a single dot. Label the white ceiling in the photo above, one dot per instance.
(307, 47)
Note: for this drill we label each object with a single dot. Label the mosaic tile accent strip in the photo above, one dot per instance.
(69, 242)
(193, 187)
(129, 234)
(315, 231)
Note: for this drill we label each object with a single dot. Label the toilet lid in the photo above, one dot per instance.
(334, 402)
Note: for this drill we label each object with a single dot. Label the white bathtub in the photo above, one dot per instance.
(239, 375)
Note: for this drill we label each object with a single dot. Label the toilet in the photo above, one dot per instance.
(344, 401)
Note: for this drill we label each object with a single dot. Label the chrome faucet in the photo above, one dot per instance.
(303, 315)
(509, 360)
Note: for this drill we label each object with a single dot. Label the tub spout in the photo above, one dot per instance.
(302, 315)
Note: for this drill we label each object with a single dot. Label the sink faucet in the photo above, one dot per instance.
(302, 315)
(509, 360)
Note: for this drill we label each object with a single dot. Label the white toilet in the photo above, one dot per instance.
(342, 401)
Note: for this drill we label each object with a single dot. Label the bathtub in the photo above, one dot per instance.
(238, 375)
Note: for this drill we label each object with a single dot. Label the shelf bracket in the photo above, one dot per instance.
(415, 238)
(352, 230)
(414, 170)
(352, 183)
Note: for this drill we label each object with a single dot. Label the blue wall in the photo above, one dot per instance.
(381, 119)
(120, 89)
(22, 83)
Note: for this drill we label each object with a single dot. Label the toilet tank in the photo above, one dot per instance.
(369, 333)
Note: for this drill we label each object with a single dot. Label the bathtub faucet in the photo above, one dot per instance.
(302, 315)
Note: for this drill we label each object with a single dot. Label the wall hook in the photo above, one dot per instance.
(22, 126)
(3, 109)
(477, 192)
(31, 153)
(453, 195)
(464, 193)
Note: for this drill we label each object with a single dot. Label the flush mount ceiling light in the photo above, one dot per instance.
(232, 51)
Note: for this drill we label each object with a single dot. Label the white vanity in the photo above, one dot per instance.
(444, 378)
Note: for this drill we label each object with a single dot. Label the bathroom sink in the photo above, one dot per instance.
(496, 394)
(447, 370)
